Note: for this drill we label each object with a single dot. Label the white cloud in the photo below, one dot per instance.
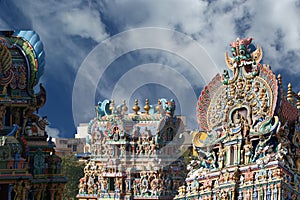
(53, 132)
(161, 40)
(207, 23)
(57, 23)
(217, 23)
(83, 22)
(277, 26)
(214, 24)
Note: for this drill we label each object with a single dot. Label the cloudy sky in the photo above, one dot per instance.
(147, 49)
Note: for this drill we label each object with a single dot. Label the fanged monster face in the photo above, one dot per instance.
(242, 56)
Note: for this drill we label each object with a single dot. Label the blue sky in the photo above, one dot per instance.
(72, 32)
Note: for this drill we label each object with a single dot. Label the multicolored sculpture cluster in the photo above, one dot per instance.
(29, 168)
(134, 156)
(248, 145)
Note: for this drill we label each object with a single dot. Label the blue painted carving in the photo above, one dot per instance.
(33, 38)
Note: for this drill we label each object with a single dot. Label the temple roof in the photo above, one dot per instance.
(33, 38)
(109, 117)
(28, 42)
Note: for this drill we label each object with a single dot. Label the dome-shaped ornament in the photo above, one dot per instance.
(136, 107)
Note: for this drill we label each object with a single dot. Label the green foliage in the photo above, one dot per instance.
(73, 170)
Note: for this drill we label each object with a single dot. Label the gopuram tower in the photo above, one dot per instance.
(133, 155)
(248, 143)
(29, 168)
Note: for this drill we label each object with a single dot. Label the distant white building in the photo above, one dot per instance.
(65, 146)
(82, 130)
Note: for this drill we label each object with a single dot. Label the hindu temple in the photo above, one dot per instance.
(133, 155)
(29, 168)
(248, 142)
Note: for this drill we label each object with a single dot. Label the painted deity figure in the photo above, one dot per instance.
(144, 184)
(284, 146)
(136, 189)
(261, 147)
(104, 185)
(123, 151)
(91, 180)
(236, 125)
(139, 147)
(116, 133)
(99, 110)
(118, 185)
(170, 108)
(18, 188)
(152, 147)
(39, 162)
(17, 159)
(3, 140)
(221, 156)
(82, 186)
(247, 151)
(246, 128)
(210, 159)
(296, 141)
(110, 150)
(155, 185)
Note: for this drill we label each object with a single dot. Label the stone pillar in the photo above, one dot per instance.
(25, 190)
(239, 154)
(279, 191)
(265, 192)
(10, 188)
(59, 195)
(261, 193)
(133, 149)
(251, 193)
(232, 193)
(59, 192)
(257, 193)
(235, 159)
(227, 156)
(40, 191)
(52, 191)
(275, 192)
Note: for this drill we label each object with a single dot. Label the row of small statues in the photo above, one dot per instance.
(264, 151)
(142, 147)
(147, 185)
(248, 177)
(104, 150)
(94, 185)
(151, 184)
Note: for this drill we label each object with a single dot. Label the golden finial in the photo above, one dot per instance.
(290, 93)
(158, 106)
(112, 106)
(282, 91)
(298, 101)
(147, 107)
(136, 107)
(124, 107)
(279, 80)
